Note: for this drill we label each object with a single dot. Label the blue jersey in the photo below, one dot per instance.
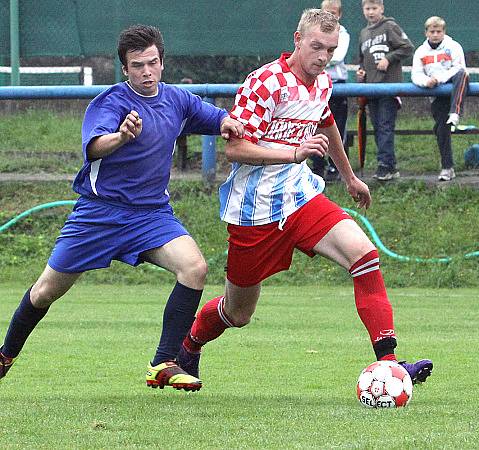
(137, 174)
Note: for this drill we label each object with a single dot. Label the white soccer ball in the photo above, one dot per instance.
(384, 384)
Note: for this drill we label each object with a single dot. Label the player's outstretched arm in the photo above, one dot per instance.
(104, 145)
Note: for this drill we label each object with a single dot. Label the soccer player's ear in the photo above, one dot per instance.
(297, 39)
(125, 71)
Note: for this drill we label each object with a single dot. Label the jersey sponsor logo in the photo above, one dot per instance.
(293, 132)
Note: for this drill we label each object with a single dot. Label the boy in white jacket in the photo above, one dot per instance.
(440, 60)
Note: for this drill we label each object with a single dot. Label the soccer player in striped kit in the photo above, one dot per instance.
(273, 203)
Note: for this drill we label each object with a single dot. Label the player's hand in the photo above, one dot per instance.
(431, 82)
(316, 145)
(359, 191)
(360, 75)
(382, 65)
(231, 126)
(131, 127)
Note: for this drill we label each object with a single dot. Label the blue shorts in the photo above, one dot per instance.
(96, 233)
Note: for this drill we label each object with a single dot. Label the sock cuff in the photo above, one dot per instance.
(179, 285)
(368, 263)
(384, 347)
(28, 305)
(221, 311)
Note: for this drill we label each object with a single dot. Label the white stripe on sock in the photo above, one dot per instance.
(371, 269)
(223, 315)
(372, 261)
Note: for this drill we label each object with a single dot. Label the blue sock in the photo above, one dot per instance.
(178, 317)
(24, 320)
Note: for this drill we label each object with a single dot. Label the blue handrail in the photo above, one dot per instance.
(229, 90)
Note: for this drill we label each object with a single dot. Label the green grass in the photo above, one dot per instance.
(40, 140)
(51, 142)
(287, 380)
(410, 218)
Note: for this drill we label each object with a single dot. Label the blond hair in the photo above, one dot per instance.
(374, 2)
(312, 17)
(435, 21)
(337, 3)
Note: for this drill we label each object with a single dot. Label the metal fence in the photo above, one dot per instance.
(213, 41)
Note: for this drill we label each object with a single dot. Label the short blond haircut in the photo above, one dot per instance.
(312, 17)
(374, 2)
(337, 3)
(435, 21)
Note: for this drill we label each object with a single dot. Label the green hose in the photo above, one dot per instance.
(26, 213)
(384, 249)
(364, 220)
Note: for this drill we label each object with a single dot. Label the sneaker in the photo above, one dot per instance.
(446, 175)
(332, 175)
(386, 173)
(453, 119)
(419, 370)
(189, 361)
(5, 364)
(170, 374)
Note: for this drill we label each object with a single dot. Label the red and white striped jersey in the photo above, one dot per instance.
(278, 111)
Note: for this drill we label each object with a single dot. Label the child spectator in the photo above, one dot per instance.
(383, 46)
(440, 60)
(337, 104)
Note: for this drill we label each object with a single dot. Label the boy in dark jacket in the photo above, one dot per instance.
(383, 46)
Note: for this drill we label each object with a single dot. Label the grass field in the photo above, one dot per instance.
(47, 141)
(285, 381)
(411, 219)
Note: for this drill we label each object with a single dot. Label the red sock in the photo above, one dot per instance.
(209, 324)
(372, 301)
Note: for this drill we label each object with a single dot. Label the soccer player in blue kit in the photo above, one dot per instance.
(123, 212)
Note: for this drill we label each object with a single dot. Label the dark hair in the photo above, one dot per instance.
(139, 37)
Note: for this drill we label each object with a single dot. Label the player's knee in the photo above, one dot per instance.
(43, 294)
(195, 272)
(360, 251)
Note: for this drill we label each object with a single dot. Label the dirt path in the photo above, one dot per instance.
(465, 178)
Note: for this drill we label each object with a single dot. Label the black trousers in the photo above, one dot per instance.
(441, 107)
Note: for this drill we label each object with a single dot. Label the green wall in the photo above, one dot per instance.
(202, 27)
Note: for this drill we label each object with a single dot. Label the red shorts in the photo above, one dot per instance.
(256, 252)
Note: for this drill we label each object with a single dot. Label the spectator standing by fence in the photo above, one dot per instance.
(440, 60)
(383, 46)
(337, 104)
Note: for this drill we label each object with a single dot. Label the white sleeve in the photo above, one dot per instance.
(418, 76)
(342, 48)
